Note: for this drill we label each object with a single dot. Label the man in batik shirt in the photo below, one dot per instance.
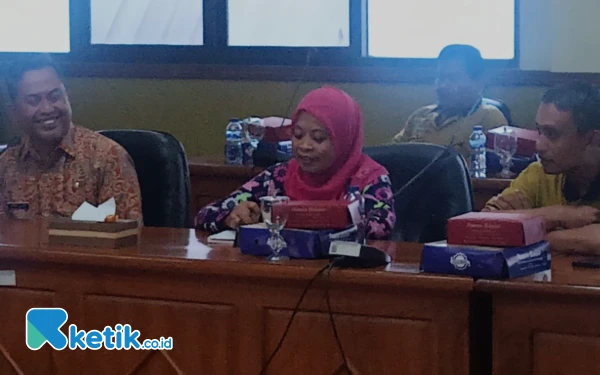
(57, 165)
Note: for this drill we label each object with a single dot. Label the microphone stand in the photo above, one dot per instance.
(361, 237)
(361, 227)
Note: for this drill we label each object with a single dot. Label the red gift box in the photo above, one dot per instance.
(526, 140)
(496, 229)
(316, 214)
(277, 129)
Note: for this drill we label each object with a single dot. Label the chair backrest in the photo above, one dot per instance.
(163, 175)
(502, 107)
(443, 191)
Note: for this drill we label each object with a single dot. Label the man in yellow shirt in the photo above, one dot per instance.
(460, 106)
(564, 186)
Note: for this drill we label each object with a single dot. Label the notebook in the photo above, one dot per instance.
(225, 237)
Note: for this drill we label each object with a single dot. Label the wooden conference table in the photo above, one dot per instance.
(225, 311)
(548, 327)
(212, 179)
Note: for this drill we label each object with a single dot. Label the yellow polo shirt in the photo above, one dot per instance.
(541, 190)
(421, 126)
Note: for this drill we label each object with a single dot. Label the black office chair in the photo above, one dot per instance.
(442, 192)
(163, 175)
(502, 107)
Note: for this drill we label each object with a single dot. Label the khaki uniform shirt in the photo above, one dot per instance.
(423, 126)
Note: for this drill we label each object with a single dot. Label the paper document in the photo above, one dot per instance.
(89, 212)
(8, 278)
(227, 236)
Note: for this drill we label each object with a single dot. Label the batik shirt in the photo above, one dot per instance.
(88, 167)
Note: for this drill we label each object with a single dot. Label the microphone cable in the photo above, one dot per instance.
(332, 321)
(416, 177)
(422, 171)
(328, 268)
(299, 82)
(296, 309)
(410, 182)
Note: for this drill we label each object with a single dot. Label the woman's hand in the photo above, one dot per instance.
(243, 214)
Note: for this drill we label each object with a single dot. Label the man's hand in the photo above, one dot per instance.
(243, 214)
(583, 241)
(556, 217)
(509, 201)
(571, 217)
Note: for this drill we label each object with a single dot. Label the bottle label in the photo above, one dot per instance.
(233, 154)
(478, 162)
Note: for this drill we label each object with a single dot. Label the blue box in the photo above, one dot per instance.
(301, 243)
(486, 262)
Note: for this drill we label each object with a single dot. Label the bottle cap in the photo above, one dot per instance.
(477, 127)
(234, 119)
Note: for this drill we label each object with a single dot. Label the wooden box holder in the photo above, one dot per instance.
(121, 233)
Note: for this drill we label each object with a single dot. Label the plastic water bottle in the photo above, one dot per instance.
(233, 142)
(247, 144)
(253, 132)
(477, 141)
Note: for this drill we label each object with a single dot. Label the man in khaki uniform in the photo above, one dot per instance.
(460, 104)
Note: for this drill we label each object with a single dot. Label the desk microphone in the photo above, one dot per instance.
(360, 255)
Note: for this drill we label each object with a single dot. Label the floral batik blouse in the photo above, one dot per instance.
(378, 197)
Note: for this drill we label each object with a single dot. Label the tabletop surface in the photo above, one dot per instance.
(186, 250)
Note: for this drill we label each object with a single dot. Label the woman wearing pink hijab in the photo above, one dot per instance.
(328, 162)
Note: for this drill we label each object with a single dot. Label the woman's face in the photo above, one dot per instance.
(311, 144)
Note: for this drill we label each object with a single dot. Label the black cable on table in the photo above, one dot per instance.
(287, 329)
(332, 320)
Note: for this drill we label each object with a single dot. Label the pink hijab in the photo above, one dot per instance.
(342, 118)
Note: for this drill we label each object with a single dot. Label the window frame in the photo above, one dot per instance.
(181, 61)
(214, 51)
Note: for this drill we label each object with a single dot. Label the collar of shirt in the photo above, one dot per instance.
(438, 109)
(67, 145)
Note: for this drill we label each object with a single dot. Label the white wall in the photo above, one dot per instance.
(560, 35)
